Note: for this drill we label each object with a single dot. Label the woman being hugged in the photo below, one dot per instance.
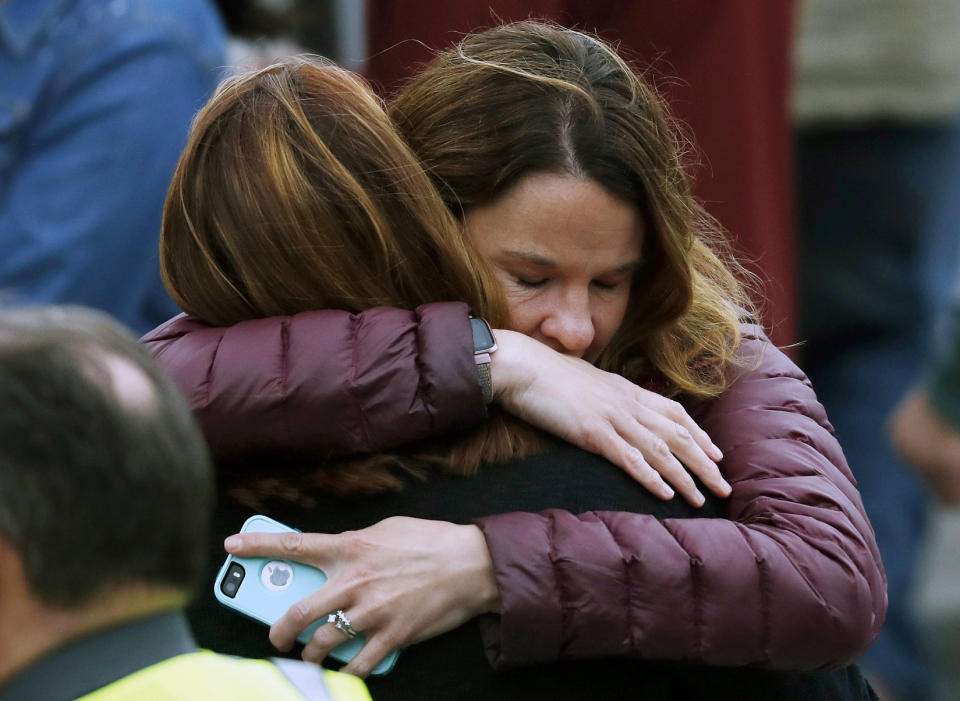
(563, 171)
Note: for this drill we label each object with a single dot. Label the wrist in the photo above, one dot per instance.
(509, 370)
(483, 582)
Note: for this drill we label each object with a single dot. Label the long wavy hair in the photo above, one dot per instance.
(531, 97)
(295, 192)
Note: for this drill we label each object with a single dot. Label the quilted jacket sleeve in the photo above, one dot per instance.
(325, 381)
(793, 580)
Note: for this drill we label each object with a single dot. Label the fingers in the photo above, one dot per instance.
(327, 637)
(601, 438)
(674, 411)
(658, 459)
(311, 548)
(641, 470)
(305, 612)
(324, 639)
(651, 460)
(681, 443)
(375, 649)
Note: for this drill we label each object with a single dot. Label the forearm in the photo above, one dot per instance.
(701, 590)
(925, 426)
(81, 212)
(326, 382)
(791, 580)
(941, 381)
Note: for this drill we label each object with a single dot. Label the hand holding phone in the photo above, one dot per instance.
(264, 588)
(401, 580)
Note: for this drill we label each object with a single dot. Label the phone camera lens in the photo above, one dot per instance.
(230, 584)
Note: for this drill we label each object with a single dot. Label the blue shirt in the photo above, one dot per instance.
(96, 98)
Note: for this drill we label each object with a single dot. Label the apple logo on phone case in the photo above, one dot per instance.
(276, 575)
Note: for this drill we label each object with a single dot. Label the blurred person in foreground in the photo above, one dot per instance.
(105, 491)
(96, 98)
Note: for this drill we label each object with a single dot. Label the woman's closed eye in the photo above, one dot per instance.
(530, 282)
(606, 286)
(610, 285)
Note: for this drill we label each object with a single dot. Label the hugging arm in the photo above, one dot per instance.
(335, 383)
(793, 580)
(325, 382)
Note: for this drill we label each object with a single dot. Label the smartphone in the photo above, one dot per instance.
(264, 588)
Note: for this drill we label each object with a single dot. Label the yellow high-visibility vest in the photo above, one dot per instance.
(207, 676)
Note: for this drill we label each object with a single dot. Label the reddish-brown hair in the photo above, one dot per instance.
(531, 97)
(295, 192)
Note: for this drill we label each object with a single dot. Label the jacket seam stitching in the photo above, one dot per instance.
(355, 320)
(853, 555)
(805, 539)
(628, 573)
(208, 380)
(696, 586)
(558, 587)
(284, 384)
(284, 360)
(625, 558)
(423, 393)
(764, 587)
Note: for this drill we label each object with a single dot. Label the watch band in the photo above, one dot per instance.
(484, 344)
(483, 375)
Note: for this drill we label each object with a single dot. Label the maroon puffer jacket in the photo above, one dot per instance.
(325, 381)
(793, 580)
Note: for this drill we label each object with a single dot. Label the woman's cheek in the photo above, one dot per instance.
(613, 317)
(524, 317)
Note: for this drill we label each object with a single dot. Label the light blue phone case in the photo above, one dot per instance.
(261, 597)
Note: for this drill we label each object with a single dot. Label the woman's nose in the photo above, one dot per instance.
(569, 325)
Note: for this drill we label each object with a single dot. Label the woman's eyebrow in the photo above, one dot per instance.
(544, 262)
(628, 267)
(533, 258)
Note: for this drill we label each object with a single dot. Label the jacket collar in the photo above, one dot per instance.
(81, 666)
(23, 21)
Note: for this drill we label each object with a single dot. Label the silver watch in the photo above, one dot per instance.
(483, 345)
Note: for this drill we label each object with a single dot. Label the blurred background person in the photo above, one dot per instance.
(105, 497)
(264, 31)
(96, 97)
(877, 107)
(925, 426)
(925, 429)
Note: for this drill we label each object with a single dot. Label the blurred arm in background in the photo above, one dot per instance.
(96, 98)
(925, 426)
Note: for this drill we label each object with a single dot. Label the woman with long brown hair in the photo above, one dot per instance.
(636, 286)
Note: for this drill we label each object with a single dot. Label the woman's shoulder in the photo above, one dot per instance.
(766, 391)
(769, 415)
(178, 326)
(757, 357)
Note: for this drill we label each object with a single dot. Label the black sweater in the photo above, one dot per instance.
(453, 665)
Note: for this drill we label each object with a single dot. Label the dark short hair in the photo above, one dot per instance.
(98, 490)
